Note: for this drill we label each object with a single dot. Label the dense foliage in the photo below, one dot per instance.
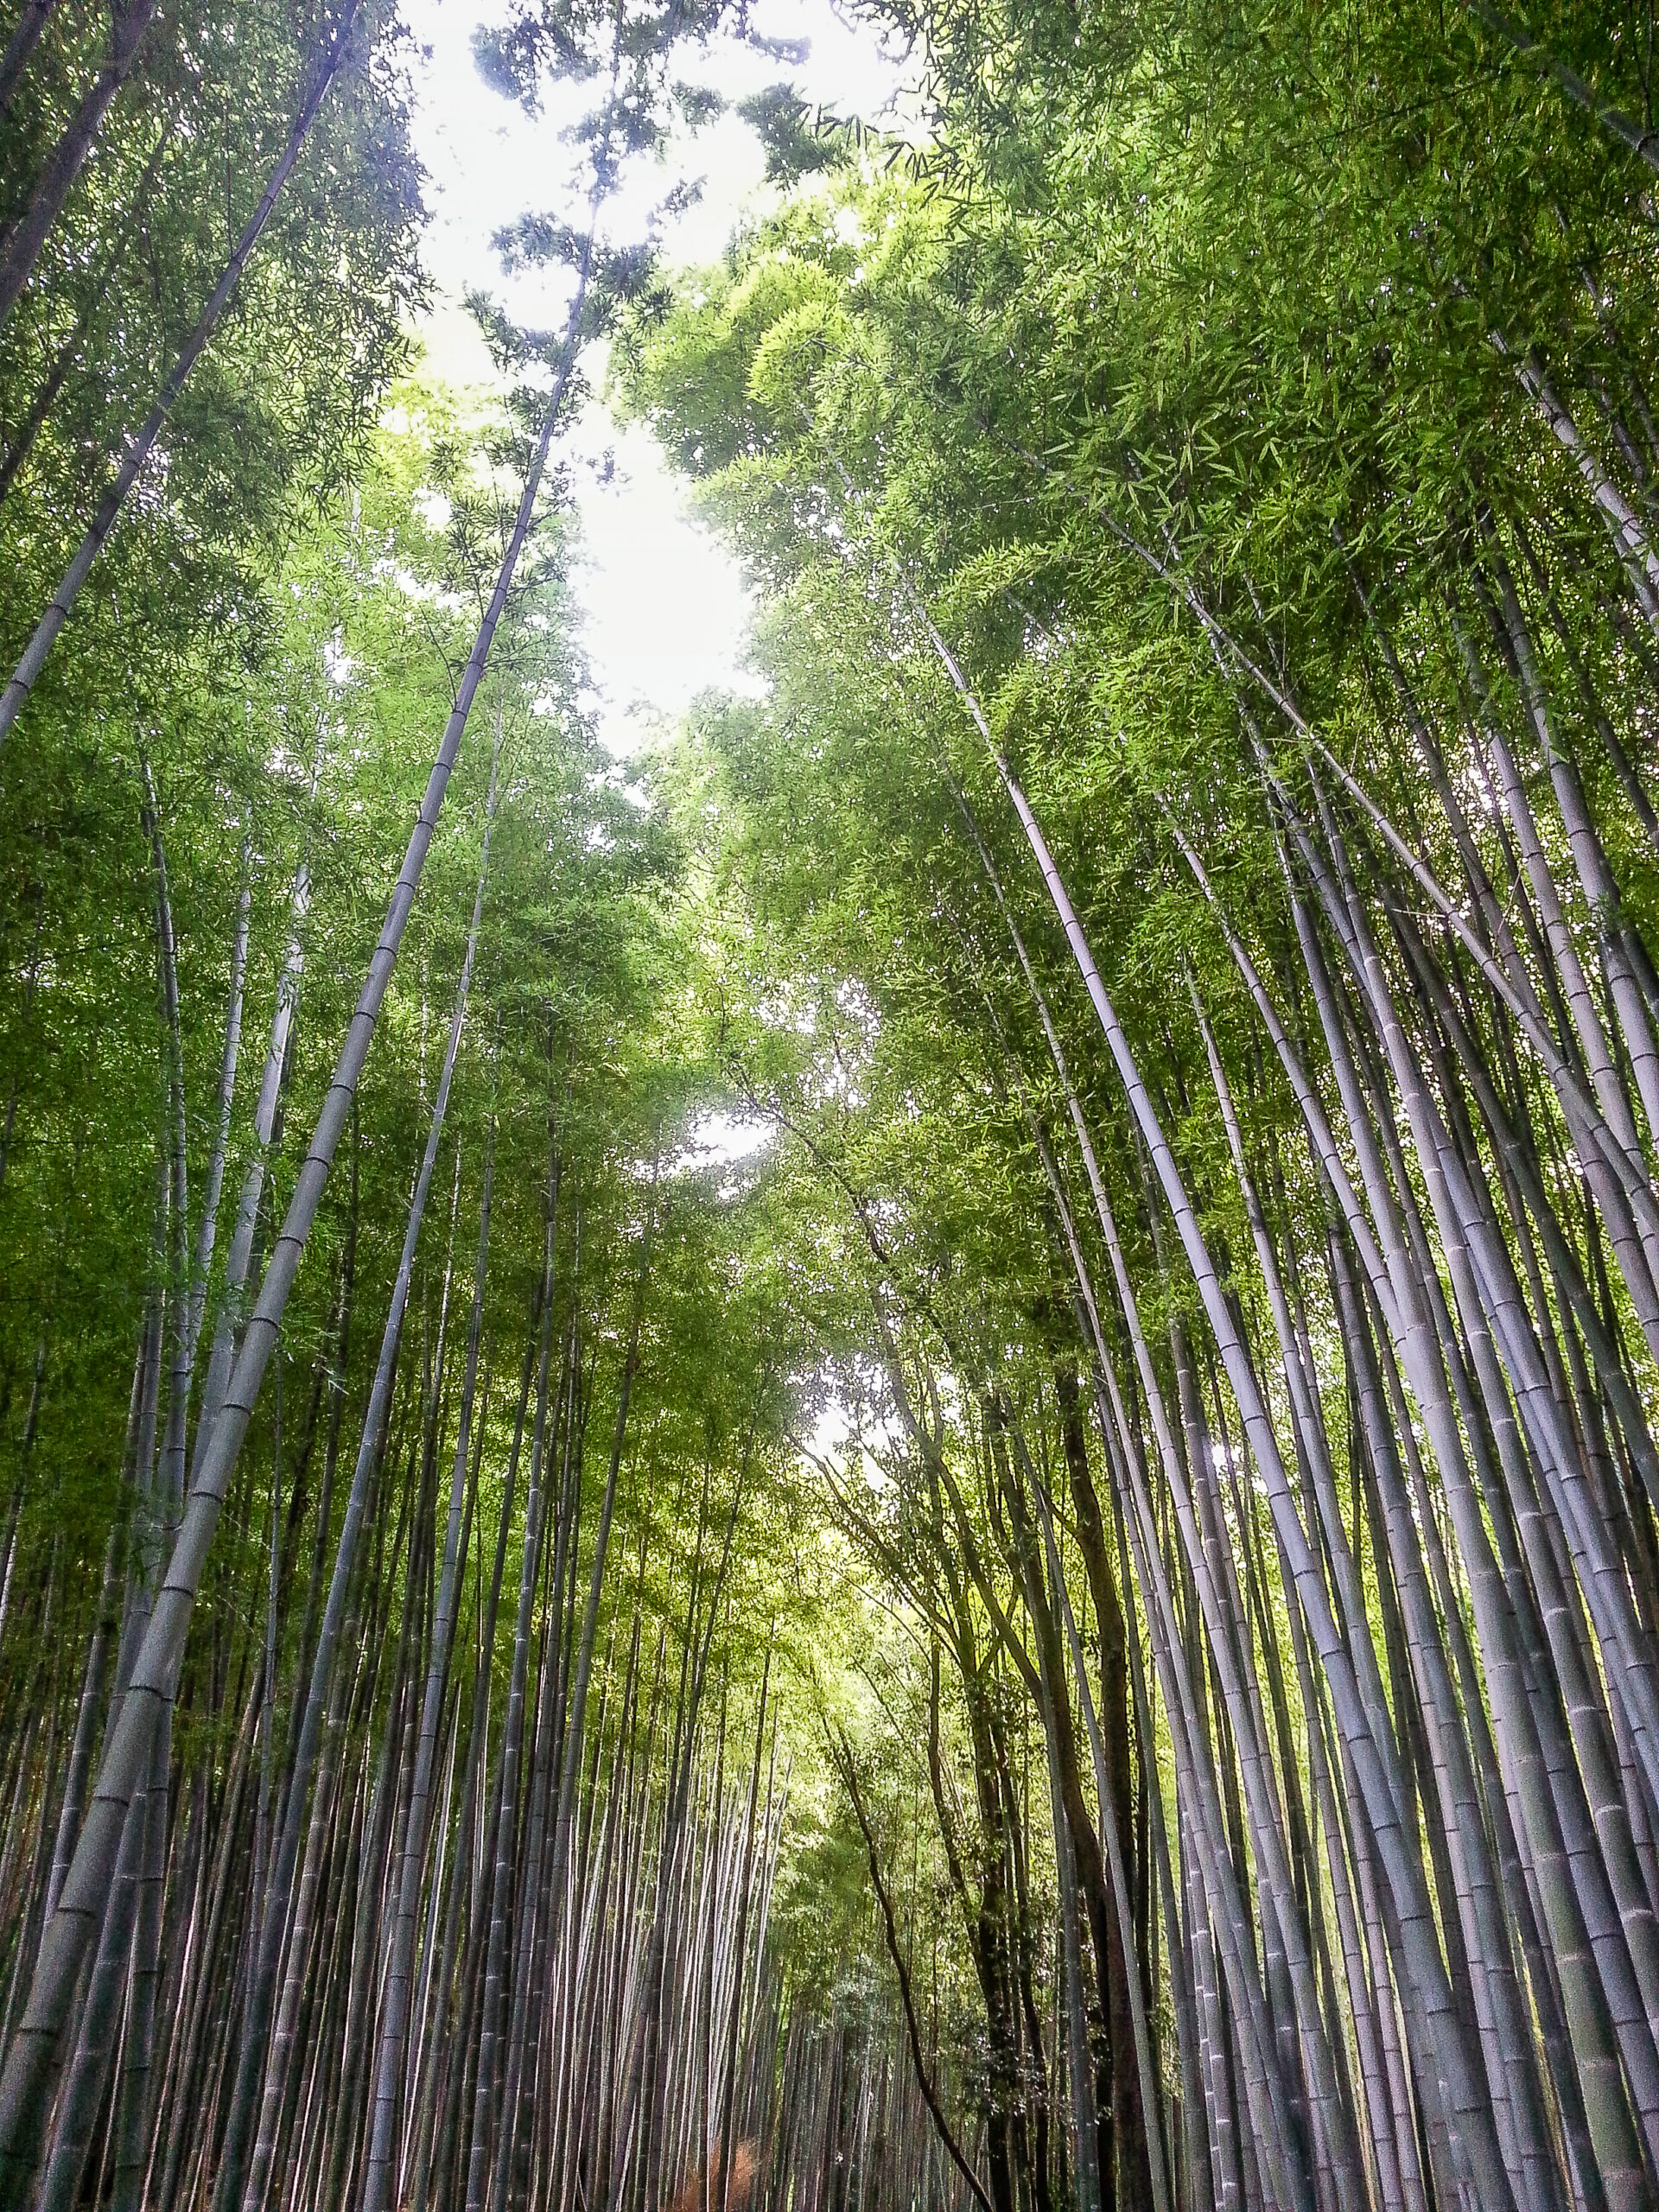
(914, 1460)
(1220, 473)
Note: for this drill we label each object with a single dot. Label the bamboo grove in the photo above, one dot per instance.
(1205, 505)
(913, 1460)
(396, 1783)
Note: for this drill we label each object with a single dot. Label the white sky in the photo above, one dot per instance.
(665, 607)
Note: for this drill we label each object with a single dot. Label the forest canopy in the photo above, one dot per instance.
(908, 1456)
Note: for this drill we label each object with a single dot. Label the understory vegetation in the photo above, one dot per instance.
(908, 1457)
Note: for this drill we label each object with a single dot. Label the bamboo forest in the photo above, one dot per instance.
(899, 1452)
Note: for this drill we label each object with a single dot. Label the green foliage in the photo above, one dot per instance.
(1219, 464)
